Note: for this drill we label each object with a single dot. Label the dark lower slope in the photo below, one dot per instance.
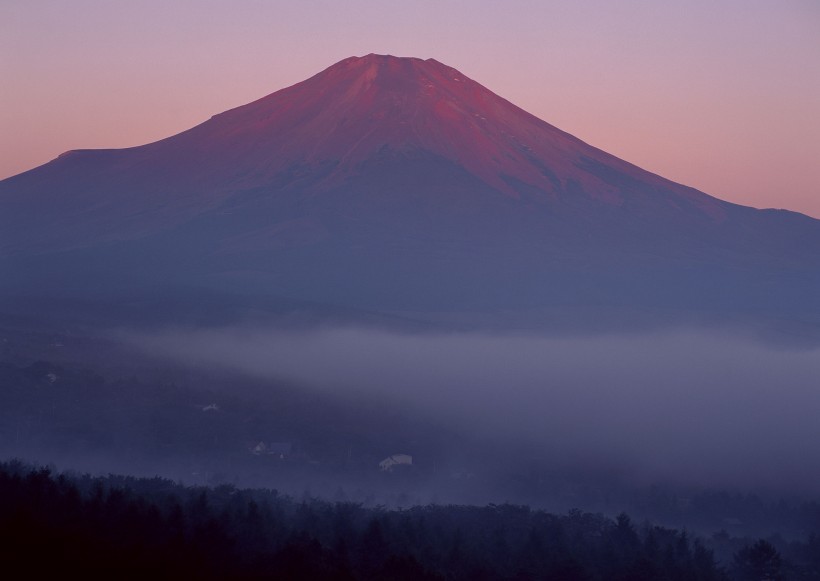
(412, 232)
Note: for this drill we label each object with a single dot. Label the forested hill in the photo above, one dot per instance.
(127, 527)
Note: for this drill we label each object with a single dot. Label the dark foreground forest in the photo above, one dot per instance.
(115, 527)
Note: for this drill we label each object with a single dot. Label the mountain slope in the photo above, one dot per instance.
(395, 184)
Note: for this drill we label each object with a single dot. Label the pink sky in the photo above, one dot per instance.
(722, 96)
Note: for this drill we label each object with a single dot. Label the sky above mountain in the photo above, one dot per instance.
(721, 97)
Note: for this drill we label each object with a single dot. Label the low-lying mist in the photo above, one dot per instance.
(689, 408)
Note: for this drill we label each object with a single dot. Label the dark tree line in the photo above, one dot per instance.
(128, 527)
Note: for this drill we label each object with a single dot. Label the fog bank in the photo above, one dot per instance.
(689, 408)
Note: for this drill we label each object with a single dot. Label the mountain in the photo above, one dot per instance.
(395, 185)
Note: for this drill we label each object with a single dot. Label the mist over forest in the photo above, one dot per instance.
(692, 407)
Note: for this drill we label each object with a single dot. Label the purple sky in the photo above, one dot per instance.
(723, 96)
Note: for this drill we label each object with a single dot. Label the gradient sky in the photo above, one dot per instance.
(722, 95)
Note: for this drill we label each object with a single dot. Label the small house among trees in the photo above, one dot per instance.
(394, 460)
(281, 450)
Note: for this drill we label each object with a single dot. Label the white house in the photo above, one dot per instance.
(396, 460)
(280, 450)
